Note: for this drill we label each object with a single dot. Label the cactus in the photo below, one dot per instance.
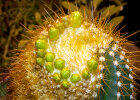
(73, 58)
(118, 83)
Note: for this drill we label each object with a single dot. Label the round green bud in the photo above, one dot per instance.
(41, 44)
(49, 66)
(56, 77)
(53, 34)
(49, 57)
(92, 64)
(66, 84)
(42, 37)
(75, 78)
(76, 19)
(65, 21)
(59, 63)
(60, 26)
(85, 73)
(65, 73)
(40, 52)
(40, 61)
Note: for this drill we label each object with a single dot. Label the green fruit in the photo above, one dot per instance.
(76, 19)
(49, 66)
(49, 57)
(40, 61)
(75, 78)
(65, 21)
(65, 73)
(53, 34)
(92, 64)
(59, 63)
(42, 37)
(66, 84)
(56, 77)
(86, 74)
(41, 44)
(40, 52)
(60, 26)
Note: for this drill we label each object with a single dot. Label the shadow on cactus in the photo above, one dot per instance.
(74, 57)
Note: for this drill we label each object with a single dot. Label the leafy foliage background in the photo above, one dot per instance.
(17, 15)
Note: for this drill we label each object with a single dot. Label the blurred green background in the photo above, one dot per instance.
(15, 15)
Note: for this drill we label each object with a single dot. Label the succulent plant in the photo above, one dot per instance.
(71, 58)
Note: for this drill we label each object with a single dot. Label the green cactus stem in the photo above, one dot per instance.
(117, 79)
